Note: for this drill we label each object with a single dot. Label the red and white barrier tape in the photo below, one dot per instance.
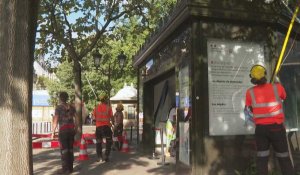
(42, 135)
(46, 144)
(89, 139)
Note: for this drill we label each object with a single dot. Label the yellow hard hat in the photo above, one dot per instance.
(103, 97)
(258, 72)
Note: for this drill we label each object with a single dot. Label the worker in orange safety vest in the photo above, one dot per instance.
(103, 115)
(264, 101)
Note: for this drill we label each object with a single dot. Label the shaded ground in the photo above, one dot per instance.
(47, 162)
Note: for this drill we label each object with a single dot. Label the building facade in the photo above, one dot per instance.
(128, 97)
(42, 110)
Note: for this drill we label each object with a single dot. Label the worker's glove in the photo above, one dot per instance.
(248, 116)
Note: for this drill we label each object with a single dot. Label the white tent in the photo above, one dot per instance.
(127, 93)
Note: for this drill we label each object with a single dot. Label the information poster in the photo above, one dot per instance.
(229, 63)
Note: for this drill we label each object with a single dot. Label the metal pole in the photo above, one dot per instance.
(109, 72)
(131, 133)
(89, 82)
(153, 153)
(277, 68)
(137, 127)
(163, 157)
(162, 146)
(289, 149)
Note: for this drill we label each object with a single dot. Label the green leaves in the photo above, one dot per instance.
(70, 31)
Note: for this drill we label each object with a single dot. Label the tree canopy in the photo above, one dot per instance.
(70, 31)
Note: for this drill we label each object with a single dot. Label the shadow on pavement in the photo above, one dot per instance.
(47, 161)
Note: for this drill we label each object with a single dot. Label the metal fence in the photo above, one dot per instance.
(41, 127)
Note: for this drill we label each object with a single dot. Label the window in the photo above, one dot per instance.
(290, 79)
(289, 75)
(131, 112)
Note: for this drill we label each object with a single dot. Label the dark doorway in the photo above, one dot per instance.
(159, 98)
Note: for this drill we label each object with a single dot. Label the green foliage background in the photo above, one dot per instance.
(126, 33)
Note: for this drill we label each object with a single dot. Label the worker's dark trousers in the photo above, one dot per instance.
(66, 139)
(274, 135)
(103, 132)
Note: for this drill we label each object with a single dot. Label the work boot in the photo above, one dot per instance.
(106, 159)
(63, 171)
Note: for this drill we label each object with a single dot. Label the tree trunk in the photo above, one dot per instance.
(78, 98)
(17, 35)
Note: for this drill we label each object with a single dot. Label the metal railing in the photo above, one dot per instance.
(41, 127)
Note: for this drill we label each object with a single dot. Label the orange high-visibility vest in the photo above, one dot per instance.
(266, 102)
(103, 115)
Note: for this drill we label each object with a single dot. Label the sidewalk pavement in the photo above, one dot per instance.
(47, 162)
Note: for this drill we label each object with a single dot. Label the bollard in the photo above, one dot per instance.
(130, 133)
(153, 153)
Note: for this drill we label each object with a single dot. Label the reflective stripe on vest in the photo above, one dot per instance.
(102, 119)
(269, 104)
(102, 113)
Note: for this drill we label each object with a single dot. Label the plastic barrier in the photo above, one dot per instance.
(54, 143)
(83, 150)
